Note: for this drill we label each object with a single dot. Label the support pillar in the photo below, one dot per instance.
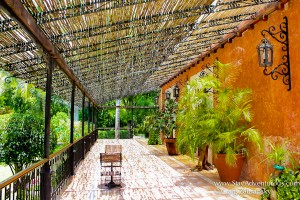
(89, 117)
(93, 117)
(117, 122)
(46, 172)
(82, 127)
(72, 152)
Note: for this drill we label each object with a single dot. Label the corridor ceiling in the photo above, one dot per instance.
(118, 48)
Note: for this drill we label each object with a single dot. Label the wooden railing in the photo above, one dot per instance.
(27, 183)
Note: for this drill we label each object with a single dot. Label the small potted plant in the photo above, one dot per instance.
(279, 155)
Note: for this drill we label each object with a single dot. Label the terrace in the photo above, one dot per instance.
(149, 173)
(90, 52)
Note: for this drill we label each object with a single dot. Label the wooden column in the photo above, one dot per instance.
(72, 156)
(89, 117)
(45, 173)
(93, 117)
(82, 127)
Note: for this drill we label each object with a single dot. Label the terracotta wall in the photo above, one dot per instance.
(276, 110)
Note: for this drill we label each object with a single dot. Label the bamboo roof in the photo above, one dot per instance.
(118, 48)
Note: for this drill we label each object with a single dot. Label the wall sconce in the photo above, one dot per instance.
(176, 91)
(168, 95)
(156, 100)
(209, 67)
(265, 53)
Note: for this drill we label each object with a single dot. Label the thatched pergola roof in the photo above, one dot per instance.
(116, 48)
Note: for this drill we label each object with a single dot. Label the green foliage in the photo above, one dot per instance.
(58, 105)
(226, 124)
(124, 134)
(279, 154)
(60, 126)
(167, 117)
(151, 127)
(22, 141)
(286, 185)
(106, 117)
(194, 117)
(22, 133)
(232, 115)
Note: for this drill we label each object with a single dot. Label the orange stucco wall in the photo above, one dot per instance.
(276, 110)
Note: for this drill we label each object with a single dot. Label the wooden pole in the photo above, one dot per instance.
(45, 174)
(72, 156)
(82, 126)
(89, 117)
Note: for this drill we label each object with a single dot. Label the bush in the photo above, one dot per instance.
(285, 186)
(22, 141)
(124, 134)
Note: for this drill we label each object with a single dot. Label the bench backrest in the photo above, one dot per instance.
(113, 149)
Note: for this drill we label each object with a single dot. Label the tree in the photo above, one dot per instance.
(22, 142)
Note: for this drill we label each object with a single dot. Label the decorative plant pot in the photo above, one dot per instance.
(278, 170)
(229, 173)
(171, 146)
(278, 167)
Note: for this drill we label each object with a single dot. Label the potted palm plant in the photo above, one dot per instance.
(194, 129)
(232, 123)
(220, 115)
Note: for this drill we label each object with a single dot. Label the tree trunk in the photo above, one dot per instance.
(117, 122)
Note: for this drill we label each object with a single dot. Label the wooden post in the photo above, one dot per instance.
(72, 156)
(82, 127)
(92, 117)
(46, 173)
(89, 117)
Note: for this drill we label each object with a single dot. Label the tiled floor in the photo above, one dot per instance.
(147, 173)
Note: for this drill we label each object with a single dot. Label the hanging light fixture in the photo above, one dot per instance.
(265, 53)
(176, 91)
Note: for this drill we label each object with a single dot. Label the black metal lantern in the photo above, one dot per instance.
(176, 91)
(168, 95)
(156, 100)
(265, 53)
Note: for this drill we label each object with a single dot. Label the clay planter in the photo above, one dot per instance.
(229, 173)
(171, 146)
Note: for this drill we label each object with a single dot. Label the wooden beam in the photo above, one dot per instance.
(17, 11)
(128, 107)
(110, 128)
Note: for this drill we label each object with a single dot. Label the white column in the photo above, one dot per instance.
(117, 122)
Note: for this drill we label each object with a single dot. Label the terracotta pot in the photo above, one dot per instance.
(171, 146)
(229, 173)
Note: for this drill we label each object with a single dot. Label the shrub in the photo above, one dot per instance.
(110, 134)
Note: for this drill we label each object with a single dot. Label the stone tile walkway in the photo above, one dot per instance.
(147, 173)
